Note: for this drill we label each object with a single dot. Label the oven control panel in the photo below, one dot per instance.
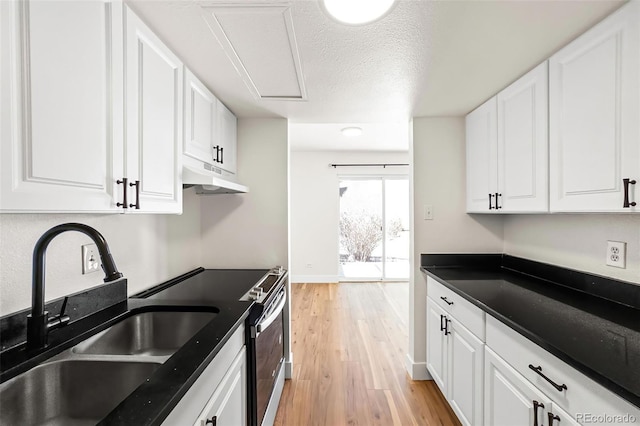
(264, 286)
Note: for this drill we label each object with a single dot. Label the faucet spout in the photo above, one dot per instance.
(38, 323)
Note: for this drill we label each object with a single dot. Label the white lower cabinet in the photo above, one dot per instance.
(509, 398)
(219, 395)
(455, 361)
(484, 369)
(228, 405)
(436, 344)
(466, 354)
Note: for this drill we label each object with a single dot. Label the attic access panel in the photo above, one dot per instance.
(260, 42)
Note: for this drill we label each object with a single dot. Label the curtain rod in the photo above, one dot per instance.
(366, 165)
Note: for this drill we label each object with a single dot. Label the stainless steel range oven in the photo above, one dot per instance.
(265, 346)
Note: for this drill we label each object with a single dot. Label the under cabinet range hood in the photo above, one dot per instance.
(209, 179)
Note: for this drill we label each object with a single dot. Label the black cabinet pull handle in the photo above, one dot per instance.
(137, 204)
(442, 323)
(212, 421)
(490, 198)
(538, 370)
(626, 182)
(552, 417)
(497, 205)
(216, 153)
(536, 405)
(446, 301)
(446, 326)
(221, 155)
(124, 203)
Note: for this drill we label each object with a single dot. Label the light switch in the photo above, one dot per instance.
(428, 212)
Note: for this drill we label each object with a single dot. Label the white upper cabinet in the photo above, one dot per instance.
(507, 148)
(523, 144)
(482, 170)
(201, 123)
(65, 147)
(61, 96)
(594, 133)
(210, 128)
(226, 140)
(153, 142)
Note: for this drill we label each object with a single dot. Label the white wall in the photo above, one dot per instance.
(575, 241)
(147, 249)
(250, 230)
(439, 174)
(315, 207)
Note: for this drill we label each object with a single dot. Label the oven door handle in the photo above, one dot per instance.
(269, 319)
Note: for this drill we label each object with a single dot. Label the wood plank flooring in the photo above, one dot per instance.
(349, 344)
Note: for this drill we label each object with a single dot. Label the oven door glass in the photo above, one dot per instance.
(269, 356)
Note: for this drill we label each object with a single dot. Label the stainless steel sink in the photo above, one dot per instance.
(70, 392)
(149, 334)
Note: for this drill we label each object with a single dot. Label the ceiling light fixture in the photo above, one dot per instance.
(351, 131)
(357, 12)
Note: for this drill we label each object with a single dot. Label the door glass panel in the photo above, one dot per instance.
(396, 257)
(361, 235)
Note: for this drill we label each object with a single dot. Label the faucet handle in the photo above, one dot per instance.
(60, 319)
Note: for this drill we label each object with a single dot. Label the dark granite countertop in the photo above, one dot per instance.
(200, 290)
(596, 331)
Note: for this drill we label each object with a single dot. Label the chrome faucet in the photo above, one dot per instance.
(38, 322)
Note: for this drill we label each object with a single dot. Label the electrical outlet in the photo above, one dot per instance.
(90, 259)
(428, 212)
(616, 254)
(309, 266)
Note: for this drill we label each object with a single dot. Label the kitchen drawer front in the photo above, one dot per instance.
(582, 395)
(198, 395)
(466, 313)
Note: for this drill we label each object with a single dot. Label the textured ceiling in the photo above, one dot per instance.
(425, 58)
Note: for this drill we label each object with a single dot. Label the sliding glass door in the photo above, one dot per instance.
(374, 228)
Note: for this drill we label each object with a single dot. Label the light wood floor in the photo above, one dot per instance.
(349, 344)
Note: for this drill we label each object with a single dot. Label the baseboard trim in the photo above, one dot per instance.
(417, 370)
(288, 369)
(314, 279)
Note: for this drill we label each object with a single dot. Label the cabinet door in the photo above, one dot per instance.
(466, 365)
(153, 144)
(523, 144)
(436, 345)
(61, 63)
(229, 401)
(482, 170)
(227, 138)
(509, 399)
(593, 93)
(200, 119)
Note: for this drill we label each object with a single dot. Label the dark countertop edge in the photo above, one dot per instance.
(597, 377)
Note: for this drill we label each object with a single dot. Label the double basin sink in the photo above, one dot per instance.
(81, 385)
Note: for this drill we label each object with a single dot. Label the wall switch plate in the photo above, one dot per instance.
(90, 259)
(309, 266)
(617, 254)
(428, 212)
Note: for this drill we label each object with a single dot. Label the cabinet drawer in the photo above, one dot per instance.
(466, 313)
(582, 395)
